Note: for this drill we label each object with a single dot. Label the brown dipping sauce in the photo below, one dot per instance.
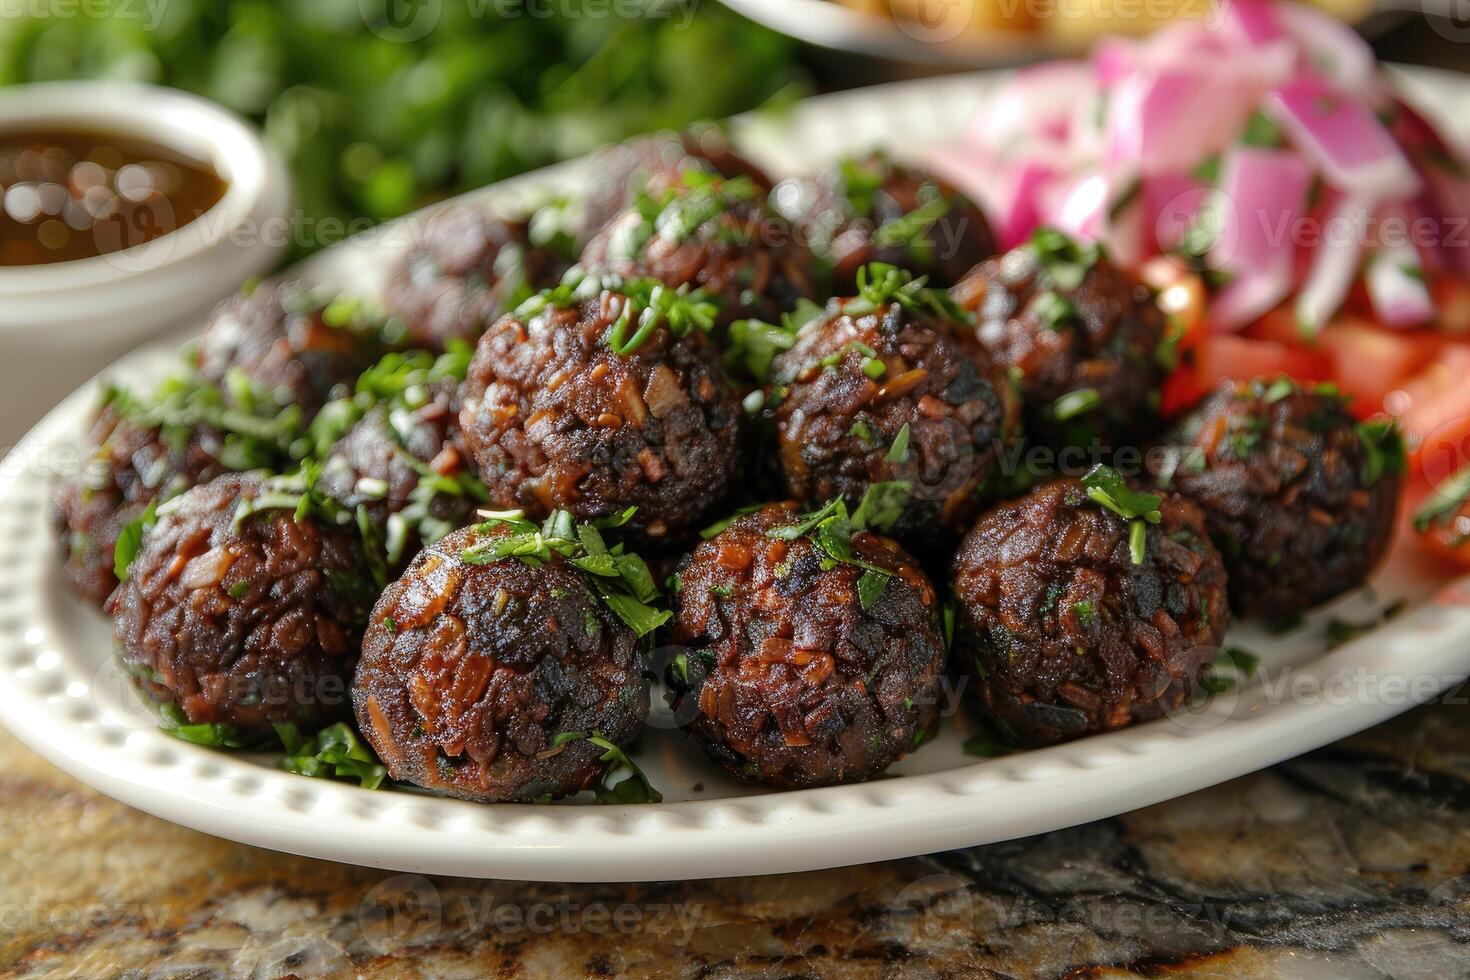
(70, 194)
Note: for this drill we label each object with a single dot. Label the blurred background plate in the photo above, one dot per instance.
(993, 33)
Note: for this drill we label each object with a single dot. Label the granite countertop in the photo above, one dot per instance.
(1353, 861)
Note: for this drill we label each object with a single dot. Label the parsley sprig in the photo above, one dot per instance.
(257, 432)
(1106, 487)
(1383, 445)
(753, 344)
(831, 529)
(648, 305)
(633, 788)
(620, 578)
(335, 752)
(1445, 503)
(881, 284)
(1064, 260)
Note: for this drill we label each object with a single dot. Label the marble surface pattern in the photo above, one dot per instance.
(1353, 861)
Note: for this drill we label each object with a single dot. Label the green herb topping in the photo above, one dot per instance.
(1106, 486)
(880, 284)
(620, 578)
(633, 788)
(335, 752)
(211, 735)
(1064, 260)
(1445, 504)
(831, 529)
(1383, 443)
(648, 304)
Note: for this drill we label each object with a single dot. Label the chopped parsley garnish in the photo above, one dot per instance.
(648, 304)
(871, 586)
(1053, 309)
(720, 525)
(633, 788)
(1241, 663)
(1106, 486)
(1279, 389)
(1075, 403)
(831, 529)
(899, 451)
(880, 284)
(984, 744)
(753, 344)
(335, 752)
(256, 431)
(620, 578)
(1340, 631)
(912, 229)
(209, 734)
(1064, 260)
(1384, 444)
(130, 539)
(883, 504)
(861, 182)
(1445, 504)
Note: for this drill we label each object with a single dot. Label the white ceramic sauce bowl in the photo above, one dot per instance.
(61, 322)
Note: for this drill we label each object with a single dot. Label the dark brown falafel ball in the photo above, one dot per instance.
(289, 344)
(652, 164)
(403, 460)
(871, 209)
(594, 400)
(140, 452)
(802, 670)
(715, 235)
(1086, 340)
(1069, 624)
(234, 612)
(1299, 496)
(888, 388)
(466, 269)
(128, 467)
(475, 672)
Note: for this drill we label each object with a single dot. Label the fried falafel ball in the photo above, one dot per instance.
(887, 396)
(402, 459)
(595, 400)
(1074, 619)
(477, 671)
(871, 209)
(141, 452)
(654, 163)
(706, 232)
(802, 669)
(128, 467)
(240, 610)
(465, 270)
(288, 343)
(1087, 341)
(1299, 496)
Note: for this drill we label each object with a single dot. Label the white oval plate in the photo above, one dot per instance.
(62, 695)
(841, 28)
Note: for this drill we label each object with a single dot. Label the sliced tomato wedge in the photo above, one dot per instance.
(1445, 530)
(1369, 361)
(1433, 407)
(1231, 356)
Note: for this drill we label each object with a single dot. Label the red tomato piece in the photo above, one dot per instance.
(1448, 536)
(1433, 406)
(1369, 361)
(1230, 356)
